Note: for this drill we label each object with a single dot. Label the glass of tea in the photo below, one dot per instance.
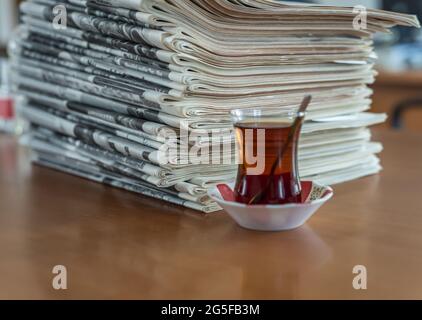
(267, 142)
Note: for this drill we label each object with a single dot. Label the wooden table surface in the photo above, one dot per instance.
(406, 78)
(116, 244)
(392, 88)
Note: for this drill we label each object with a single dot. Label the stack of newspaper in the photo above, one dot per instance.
(137, 93)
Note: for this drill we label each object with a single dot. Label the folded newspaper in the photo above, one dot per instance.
(136, 94)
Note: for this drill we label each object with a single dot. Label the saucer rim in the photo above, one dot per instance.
(273, 206)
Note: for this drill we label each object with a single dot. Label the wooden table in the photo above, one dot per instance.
(116, 244)
(392, 88)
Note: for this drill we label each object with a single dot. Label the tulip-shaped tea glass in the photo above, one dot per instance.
(267, 143)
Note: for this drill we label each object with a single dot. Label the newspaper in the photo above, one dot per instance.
(110, 179)
(108, 91)
(312, 152)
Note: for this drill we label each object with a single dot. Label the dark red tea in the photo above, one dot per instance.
(282, 187)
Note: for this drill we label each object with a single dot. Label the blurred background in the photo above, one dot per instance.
(397, 91)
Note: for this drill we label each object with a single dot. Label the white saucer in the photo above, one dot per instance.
(272, 217)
